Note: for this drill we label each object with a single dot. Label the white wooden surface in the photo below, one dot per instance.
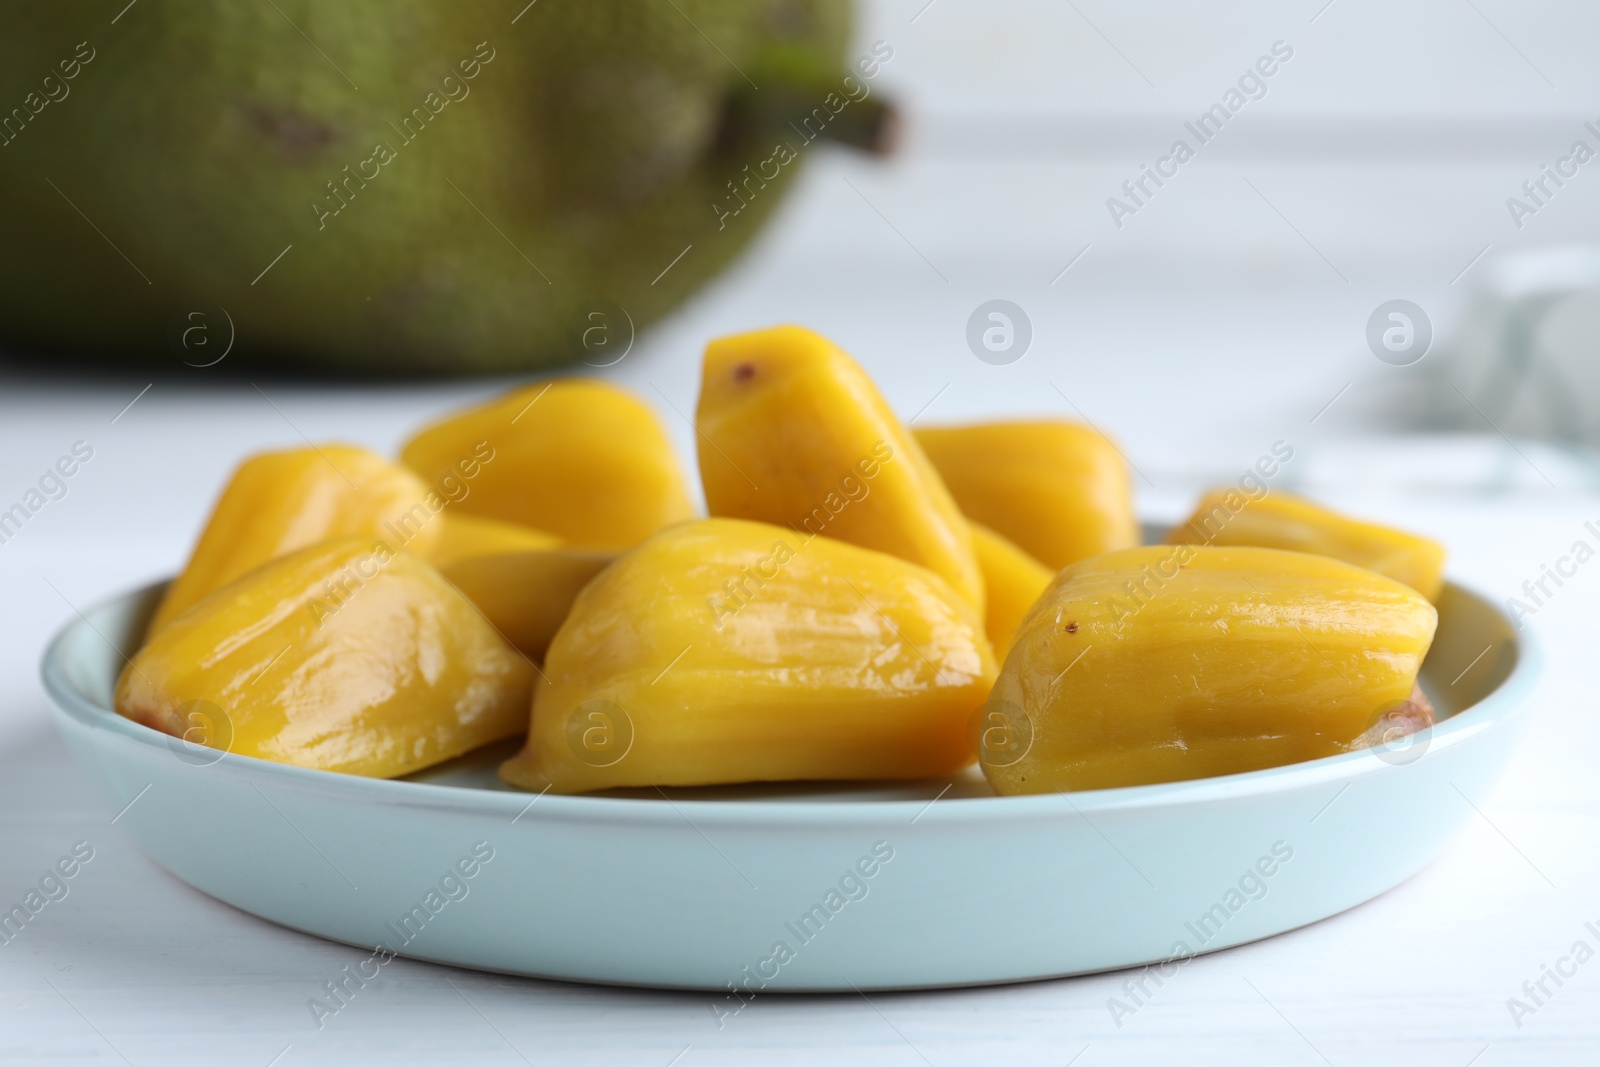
(1203, 331)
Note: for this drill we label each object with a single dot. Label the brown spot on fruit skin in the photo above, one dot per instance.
(296, 136)
(744, 372)
(1072, 627)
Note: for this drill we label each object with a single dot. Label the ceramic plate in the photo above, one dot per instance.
(807, 887)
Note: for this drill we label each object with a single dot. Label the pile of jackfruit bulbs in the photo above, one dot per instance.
(864, 601)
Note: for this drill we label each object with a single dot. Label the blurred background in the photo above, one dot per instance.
(1228, 310)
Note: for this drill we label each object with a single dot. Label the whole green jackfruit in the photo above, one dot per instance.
(411, 186)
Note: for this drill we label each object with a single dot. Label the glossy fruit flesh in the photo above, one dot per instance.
(580, 459)
(526, 596)
(1059, 490)
(1229, 517)
(463, 537)
(792, 432)
(1169, 662)
(279, 502)
(1013, 581)
(342, 657)
(727, 651)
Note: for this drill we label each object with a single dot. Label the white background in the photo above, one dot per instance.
(1224, 316)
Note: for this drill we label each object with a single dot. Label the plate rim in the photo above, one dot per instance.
(1483, 715)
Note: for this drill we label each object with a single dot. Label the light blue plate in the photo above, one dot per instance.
(809, 887)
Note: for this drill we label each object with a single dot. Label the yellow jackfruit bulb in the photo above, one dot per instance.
(1013, 581)
(1278, 520)
(463, 537)
(346, 656)
(1164, 663)
(793, 432)
(526, 595)
(1060, 490)
(279, 502)
(727, 651)
(578, 458)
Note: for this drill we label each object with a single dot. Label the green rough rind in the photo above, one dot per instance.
(192, 147)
